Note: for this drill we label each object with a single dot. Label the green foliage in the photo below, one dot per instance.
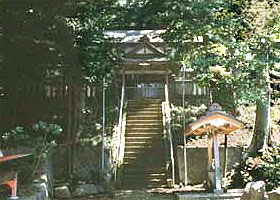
(191, 113)
(90, 128)
(98, 52)
(42, 137)
(265, 167)
(229, 59)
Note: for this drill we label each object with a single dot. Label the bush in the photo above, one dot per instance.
(41, 138)
(191, 113)
(265, 167)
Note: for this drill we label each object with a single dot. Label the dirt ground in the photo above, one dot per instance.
(129, 195)
(152, 194)
(155, 194)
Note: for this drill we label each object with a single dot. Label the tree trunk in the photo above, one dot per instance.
(262, 127)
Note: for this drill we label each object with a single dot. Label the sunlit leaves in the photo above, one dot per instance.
(98, 55)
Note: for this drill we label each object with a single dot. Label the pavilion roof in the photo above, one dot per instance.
(133, 36)
(215, 120)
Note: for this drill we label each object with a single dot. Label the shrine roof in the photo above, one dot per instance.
(137, 60)
(133, 36)
(215, 119)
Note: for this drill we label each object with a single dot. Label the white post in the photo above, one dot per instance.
(184, 127)
(169, 131)
(218, 180)
(103, 126)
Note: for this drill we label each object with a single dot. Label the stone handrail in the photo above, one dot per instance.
(167, 125)
(120, 136)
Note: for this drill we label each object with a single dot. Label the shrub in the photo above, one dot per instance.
(42, 137)
(191, 113)
(265, 167)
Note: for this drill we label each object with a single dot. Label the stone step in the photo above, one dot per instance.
(144, 129)
(146, 109)
(141, 153)
(136, 146)
(133, 146)
(144, 180)
(141, 113)
(144, 172)
(154, 108)
(144, 163)
(146, 100)
(144, 142)
(155, 135)
(135, 158)
(143, 146)
(144, 106)
(140, 177)
(151, 151)
(140, 125)
(144, 121)
(151, 164)
(142, 137)
(136, 184)
(140, 161)
(136, 163)
(143, 102)
(144, 115)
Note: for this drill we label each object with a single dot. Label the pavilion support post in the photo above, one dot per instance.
(218, 177)
(225, 157)
(214, 120)
(210, 169)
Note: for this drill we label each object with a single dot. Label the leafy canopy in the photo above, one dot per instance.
(230, 58)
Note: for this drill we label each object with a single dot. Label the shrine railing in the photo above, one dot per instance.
(167, 129)
(120, 144)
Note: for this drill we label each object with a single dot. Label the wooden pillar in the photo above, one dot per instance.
(225, 156)
(210, 170)
(218, 177)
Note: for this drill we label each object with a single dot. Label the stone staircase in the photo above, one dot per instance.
(144, 157)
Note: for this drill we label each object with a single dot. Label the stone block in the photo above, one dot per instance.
(254, 191)
(62, 192)
(274, 194)
(85, 190)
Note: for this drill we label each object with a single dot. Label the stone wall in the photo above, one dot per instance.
(197, 162)
(86, 163)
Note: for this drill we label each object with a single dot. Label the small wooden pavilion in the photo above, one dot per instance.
(213, 123)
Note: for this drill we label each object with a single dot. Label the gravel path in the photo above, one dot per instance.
(130, 195)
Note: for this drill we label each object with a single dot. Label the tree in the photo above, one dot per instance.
(232, 59)
(264, 26)
(37, 47)
(98, 54)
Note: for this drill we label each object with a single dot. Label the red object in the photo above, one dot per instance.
(12, 157)
(6, 158)
(13, 185)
